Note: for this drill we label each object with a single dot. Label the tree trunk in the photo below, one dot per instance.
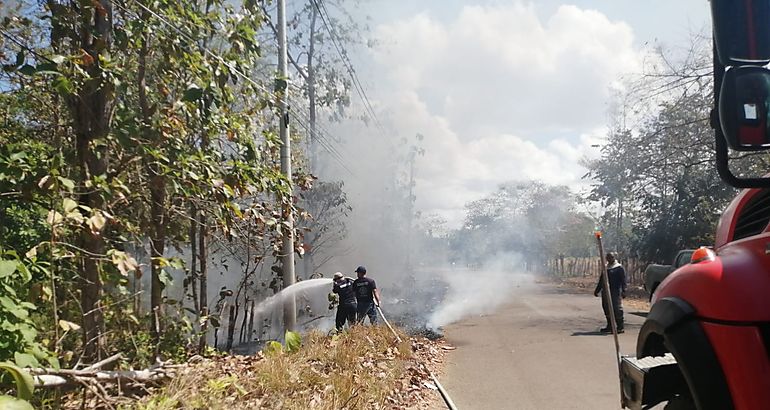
(91, 111)
(138, 292)
(193, 259)
(231, 319)
(156, 294)
(157, 187)
(242, 333)
(158, 242)
(251, 322)
(203, 280)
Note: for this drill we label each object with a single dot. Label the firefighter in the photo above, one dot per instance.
(367, 296)
(347, 309)
(616, 276)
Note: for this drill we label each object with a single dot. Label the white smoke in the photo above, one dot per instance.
(480, 291)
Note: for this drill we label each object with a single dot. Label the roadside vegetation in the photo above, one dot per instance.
(142, 206)
(362, 368)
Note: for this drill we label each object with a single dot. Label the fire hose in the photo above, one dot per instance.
(444, 394)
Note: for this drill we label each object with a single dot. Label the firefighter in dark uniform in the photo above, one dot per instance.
(367, 296)
(347, 309)
(616, 277)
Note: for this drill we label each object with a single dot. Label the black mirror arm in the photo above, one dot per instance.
(723, 167)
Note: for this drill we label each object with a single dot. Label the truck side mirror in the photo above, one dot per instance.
(741, 84)
(744, 101)
(741, 31)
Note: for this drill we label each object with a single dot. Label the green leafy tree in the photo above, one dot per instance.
(657, 180)
(529, 218)
(121, 120)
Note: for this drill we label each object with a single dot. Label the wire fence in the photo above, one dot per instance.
(570, 267)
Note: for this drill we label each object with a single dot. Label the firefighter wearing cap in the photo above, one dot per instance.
(616, 276)
(347, 309)
(367, 296)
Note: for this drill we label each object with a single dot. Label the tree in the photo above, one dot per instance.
(527, 218)
(328, 208)
(657, 180)
(155, 128)
(91, 104)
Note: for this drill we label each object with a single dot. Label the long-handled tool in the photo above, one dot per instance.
(608, 300)
(444, 394)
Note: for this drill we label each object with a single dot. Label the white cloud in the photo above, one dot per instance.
(499, 95)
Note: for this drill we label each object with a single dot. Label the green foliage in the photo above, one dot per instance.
(132, 337)
(658, 181)
(24, 383)
(83, 191)
(293, 341)
(17, 330)
(22, 165)
(292, 344)
(12, 403)
(24, 388)
(273, 347)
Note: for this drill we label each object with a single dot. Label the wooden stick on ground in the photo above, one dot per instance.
(100, 364)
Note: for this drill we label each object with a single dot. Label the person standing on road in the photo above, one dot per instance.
(367, 296)
(616, 276)
(348, 307)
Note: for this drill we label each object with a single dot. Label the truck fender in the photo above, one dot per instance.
(672, 326)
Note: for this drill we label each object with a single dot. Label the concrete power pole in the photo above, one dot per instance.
(290, 306)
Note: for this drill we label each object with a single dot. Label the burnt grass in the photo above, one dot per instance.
(411, 307)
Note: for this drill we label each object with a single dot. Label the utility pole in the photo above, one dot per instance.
(290, 306)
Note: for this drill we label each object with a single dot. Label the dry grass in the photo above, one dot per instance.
(358, 369)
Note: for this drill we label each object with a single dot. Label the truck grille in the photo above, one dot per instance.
(754, 216)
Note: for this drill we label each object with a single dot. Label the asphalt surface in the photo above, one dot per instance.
(541, 350)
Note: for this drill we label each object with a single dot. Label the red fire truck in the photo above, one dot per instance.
(705, 343)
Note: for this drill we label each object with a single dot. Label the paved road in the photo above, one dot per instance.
(540, 351)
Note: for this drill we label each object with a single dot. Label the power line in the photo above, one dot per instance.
(327, 145)
(324, 133)
(23, 46)
(326, 20)
(324, 138)
(329, 148)
(313, 131)
(359, 89)
(344, 55)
